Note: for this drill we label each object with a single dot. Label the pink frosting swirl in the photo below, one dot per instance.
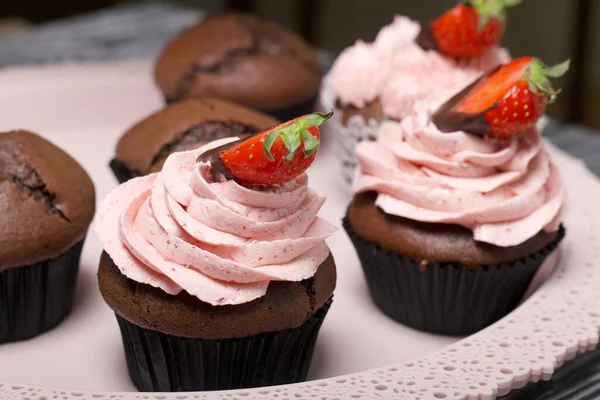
(398, 72)
(504, 191)
(398, 35)
(221, 242)
(416, 74)
(359, 74)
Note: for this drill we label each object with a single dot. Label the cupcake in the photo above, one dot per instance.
(241, 58)
(217, 267)
(189, 124)
(451, 225)
(373, 82)
(48, 202)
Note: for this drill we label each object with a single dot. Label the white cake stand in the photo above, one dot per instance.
(360, 352)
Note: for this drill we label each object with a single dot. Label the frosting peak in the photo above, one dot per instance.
(398, 72)
(359, 74)
(504, 191)
(219, 241)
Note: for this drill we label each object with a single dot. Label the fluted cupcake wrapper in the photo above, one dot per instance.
(445, 298)
(159, 362)
(35, 298)
(283, 114)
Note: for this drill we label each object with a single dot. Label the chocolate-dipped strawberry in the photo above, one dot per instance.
(468, 29)
(503, 103)
(274, 156)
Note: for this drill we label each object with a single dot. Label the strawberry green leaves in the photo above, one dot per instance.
(311, 143)
(276, 155)
(537, 76)
(488, 9)
(295, 133)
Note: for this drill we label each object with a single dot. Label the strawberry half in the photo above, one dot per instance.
(277, 155)
(468, 29)
(503, 103)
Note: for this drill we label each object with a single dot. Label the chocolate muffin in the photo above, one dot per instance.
(144, 148)
(241, 58)
(47, 203)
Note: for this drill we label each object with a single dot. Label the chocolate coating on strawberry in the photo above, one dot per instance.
(218, 170)
(274, 156)
(425, 38)
(468, 29)
(503, 103)
(448, 120)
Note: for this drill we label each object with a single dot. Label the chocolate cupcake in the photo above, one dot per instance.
(217, 267)
(189, 124)
(450, 228)
(266, 342)
(48, 202)
(437, 277)
(241, 58)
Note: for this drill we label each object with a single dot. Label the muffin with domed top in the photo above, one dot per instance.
(186, 125)
(47, 202)
(241, 58)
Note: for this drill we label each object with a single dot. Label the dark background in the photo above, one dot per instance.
(550, 29)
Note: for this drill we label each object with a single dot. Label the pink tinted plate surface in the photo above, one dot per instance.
(84, 109)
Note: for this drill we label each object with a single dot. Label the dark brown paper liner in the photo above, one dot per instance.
(163, 363)
(282, 114)
(121, 171)
(35, 298)
(445, 298)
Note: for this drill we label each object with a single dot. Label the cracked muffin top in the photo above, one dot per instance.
(47, 200)
(185, 126)
(241, 58)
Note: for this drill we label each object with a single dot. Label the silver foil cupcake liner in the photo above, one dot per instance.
(348, 135)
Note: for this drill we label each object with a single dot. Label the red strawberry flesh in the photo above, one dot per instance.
(488, 92)
(468, 29)
(503, 103)
(277, 155)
